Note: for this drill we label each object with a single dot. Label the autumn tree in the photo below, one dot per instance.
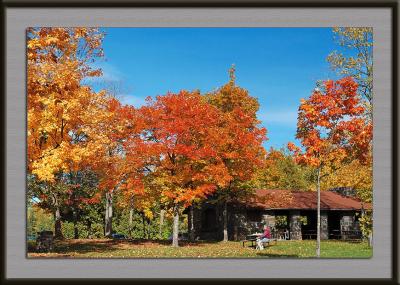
(357, 176)
(181, 131)
(119, 154)
(355, 59)
(80, 194)
(281, 171)
(242, 151)
(58, 60)
(332, 131)
(38, 219)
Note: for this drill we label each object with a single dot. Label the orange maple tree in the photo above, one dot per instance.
(120, 154)
(182, 132)
(332, 131)
(241, 151)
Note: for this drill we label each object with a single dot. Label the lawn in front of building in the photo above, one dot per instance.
(107, 248)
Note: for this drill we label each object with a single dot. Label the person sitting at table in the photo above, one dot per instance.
(265, 237)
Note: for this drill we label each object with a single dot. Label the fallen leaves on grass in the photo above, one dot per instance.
(107, 248)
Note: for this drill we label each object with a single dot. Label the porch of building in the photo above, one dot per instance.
(302, 224)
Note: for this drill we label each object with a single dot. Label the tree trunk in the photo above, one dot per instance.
(144, 226)
(130, 217)
(89, 229)
(108, 215)
(162, 213)
(370, 239)
(57, 224)
(76, 231)
(57, 218)
(175, 229)
(74, 179)
(318, 213)
(191, 224)
(148, 229)
(225, 221)
(130, 222)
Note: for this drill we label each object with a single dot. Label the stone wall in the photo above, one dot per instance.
(348, 226)
(324, 225)
(238, 224)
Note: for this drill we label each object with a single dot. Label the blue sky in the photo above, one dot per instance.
(279, 66)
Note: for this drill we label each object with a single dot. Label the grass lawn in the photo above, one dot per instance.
(106, 248)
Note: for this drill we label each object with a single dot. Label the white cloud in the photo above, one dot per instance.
(130, 99)
(287, 117)
(110, 73)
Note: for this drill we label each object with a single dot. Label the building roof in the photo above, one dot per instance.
(305, 200)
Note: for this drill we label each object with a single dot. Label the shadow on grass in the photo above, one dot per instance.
(108, 245)
(275, 255)
(167, 242)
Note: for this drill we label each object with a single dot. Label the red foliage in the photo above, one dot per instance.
(331, 125)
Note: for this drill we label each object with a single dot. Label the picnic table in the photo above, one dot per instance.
(252, 238)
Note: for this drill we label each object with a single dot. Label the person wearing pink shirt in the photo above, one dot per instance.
(265, 237)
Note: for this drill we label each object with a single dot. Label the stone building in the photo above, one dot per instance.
(293, 212)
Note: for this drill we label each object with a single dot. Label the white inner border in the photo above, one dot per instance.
(18, 266)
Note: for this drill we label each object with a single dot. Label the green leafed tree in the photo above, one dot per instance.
(355, 59)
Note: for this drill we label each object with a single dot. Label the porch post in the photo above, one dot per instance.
(346, 225)
(295, 225)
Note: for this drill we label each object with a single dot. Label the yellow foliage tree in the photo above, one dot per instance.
(61, 110)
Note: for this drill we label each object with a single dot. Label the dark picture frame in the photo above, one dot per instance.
(392, 5)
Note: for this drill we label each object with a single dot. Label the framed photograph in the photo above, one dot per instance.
(202, 141)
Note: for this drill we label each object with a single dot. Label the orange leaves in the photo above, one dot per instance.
(324, 109)
(241, 148)
(202, 146)
(182, 130)
(292, 147)
(331, 125)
